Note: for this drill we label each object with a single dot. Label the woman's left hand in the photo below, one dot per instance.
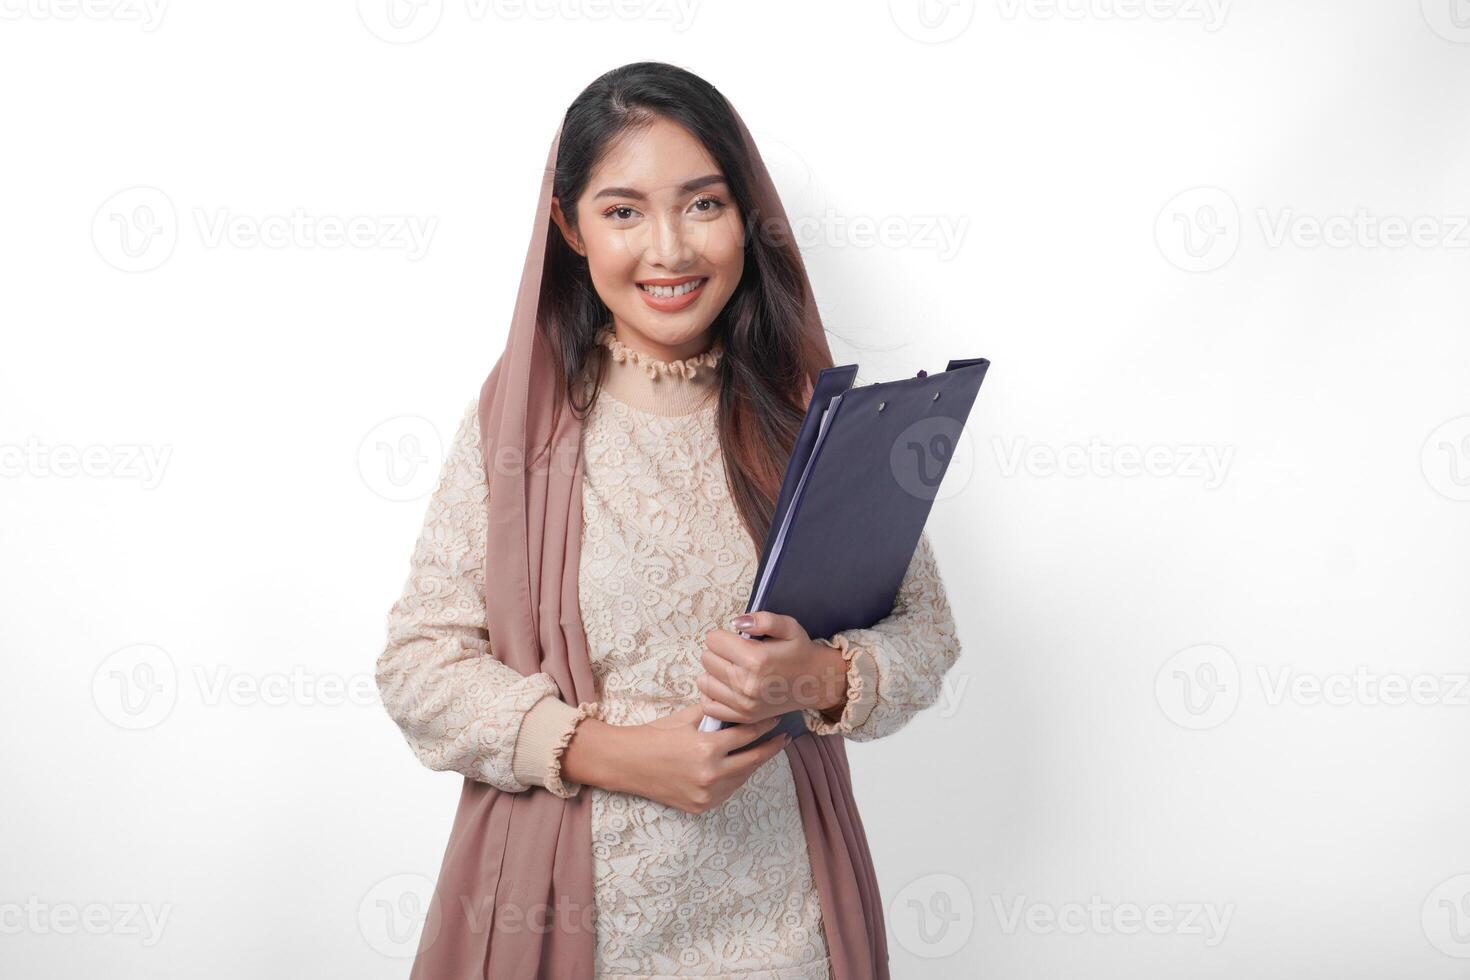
(751, 680)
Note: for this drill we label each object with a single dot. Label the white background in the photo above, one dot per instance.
(1180, 232)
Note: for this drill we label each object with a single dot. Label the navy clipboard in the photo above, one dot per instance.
(858, 488)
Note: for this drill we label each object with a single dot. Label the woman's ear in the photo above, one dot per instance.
(567, 233)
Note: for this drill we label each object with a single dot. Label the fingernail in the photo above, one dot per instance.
(742, 622)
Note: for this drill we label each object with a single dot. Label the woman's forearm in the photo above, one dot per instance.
(597, 755)
(831, 670)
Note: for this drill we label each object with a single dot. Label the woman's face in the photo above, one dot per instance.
(657, 213)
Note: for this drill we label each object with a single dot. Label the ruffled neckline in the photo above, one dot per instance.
(652, 367)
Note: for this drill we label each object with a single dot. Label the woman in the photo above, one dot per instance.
(571, 611)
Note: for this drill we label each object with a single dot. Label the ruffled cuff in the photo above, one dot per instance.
(862, 690)
(546, 731)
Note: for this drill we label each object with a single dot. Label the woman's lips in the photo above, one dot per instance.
(671, 304)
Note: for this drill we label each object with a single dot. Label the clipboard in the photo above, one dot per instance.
(863, 474)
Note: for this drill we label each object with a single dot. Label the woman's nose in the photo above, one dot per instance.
(670, 243)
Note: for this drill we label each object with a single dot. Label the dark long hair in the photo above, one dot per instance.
(769, 361)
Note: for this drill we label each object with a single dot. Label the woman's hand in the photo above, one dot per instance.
(668, 760)
(752, 680)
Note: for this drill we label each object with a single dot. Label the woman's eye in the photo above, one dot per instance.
(703, 205)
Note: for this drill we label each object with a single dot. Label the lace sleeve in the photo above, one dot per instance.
(896, 667)
(460, 708)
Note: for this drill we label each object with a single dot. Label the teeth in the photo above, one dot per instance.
(668, 292)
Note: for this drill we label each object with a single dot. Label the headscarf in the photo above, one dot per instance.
(515, 894)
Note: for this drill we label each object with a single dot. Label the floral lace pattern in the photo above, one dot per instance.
(664, 560)
(459, 708)
(911, 651)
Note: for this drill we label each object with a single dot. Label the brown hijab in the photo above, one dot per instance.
(515, 893)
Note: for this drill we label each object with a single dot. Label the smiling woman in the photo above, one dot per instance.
(566, 626)
(652, 244)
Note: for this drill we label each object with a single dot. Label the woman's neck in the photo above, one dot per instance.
(652, 347)
(660, 387)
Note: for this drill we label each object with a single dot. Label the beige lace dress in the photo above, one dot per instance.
(665, 559)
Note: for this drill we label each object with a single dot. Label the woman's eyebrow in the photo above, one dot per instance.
(637, 195)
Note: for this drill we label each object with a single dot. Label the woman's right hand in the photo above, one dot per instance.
(669, 759)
